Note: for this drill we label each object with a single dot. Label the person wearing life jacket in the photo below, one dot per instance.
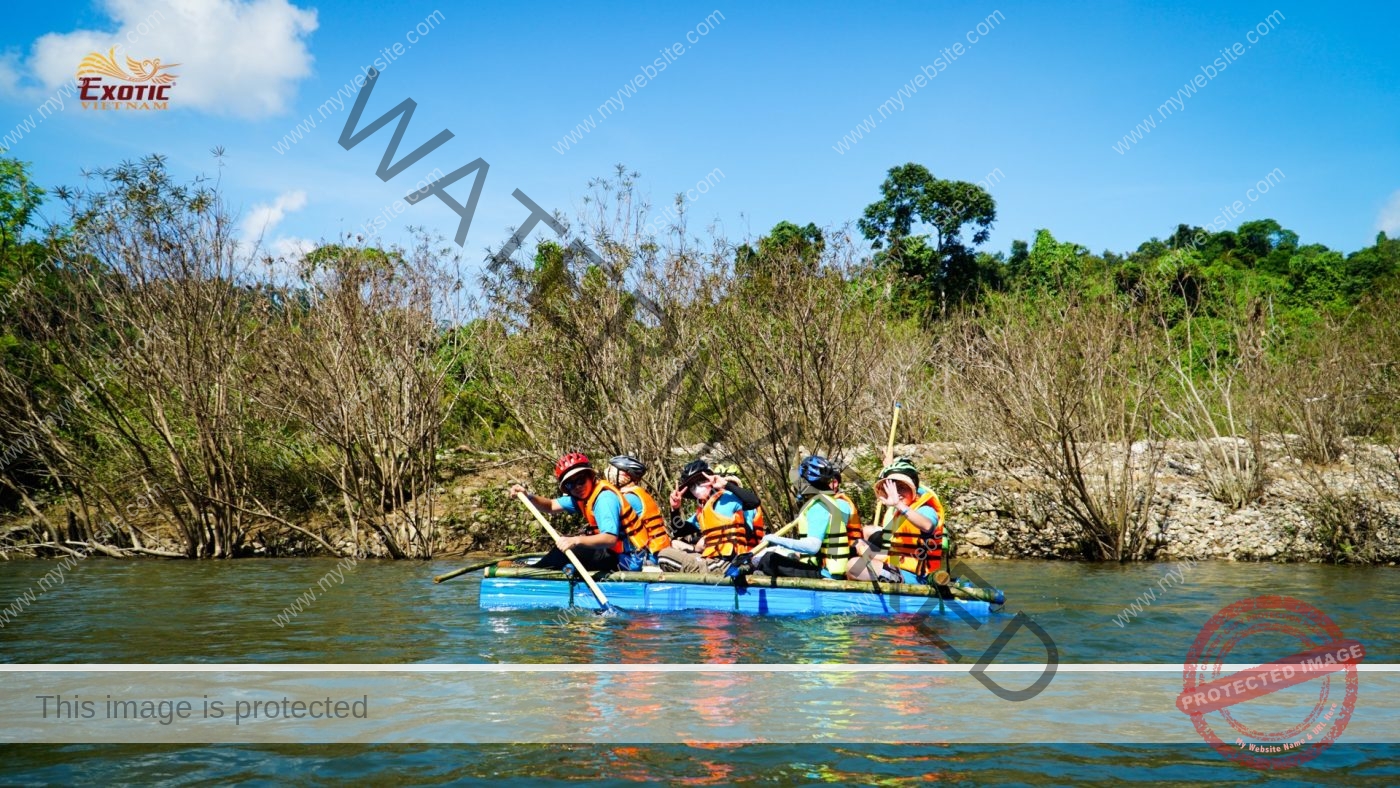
(728, 478)
(607, 515)
(718, 522)
(854, 531)
(684, 532)
(823, 550)
(650, 537)
(915, 542)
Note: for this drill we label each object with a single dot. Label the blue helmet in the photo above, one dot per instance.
(816, 471)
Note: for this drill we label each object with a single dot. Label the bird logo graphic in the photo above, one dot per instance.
(143, 84)
(148, 70)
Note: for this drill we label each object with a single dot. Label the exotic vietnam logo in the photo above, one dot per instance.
(143, 84)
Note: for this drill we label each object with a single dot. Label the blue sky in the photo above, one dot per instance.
(1042, 100)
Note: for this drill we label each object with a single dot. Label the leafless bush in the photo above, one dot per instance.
(1314, 390)
(1351, 524)
(148, 349)
(584, 344)
(360, 369)
(1068, 388)
(811, 364)
(1207, 400)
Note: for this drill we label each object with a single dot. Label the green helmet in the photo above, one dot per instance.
(901, 467)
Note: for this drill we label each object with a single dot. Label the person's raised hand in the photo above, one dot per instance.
(888, 493)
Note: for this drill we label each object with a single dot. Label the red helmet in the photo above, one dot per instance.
(568, 463)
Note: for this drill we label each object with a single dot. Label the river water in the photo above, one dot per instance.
(391, 612)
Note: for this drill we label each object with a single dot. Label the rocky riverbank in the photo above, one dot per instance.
(1345, 512)
(1348, 511)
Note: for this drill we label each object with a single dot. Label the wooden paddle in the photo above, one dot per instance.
(481, 565)
(553, 534)
(889, 458)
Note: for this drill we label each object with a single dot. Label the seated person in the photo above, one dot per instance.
(626, 472)
(823, 549)
(915, 544)
(718, 524)
(608, 518)
(727, 478)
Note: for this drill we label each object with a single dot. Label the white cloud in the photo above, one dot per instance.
(9, 73)
(237, 57)
(264, 217)
(278, 260)
(290, 247)
(1389, 220)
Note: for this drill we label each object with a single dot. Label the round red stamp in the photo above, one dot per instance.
(1281, 712)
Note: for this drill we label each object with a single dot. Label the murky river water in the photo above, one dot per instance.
(227, 612)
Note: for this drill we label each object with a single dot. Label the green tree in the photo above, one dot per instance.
(19, 197)
(1266, 245)
(943, 267)
(1373, 268)
(1053, 265)
(785, 246)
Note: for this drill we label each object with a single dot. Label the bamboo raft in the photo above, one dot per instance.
(524, 588)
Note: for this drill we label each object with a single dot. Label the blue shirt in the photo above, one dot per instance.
(726, 507)
(607, 510)
(635, 501)
(927, 509)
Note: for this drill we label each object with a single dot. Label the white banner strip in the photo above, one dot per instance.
(653, 704)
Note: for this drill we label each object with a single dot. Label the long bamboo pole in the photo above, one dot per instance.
(553, 534)
(889, 458)
(480, 565)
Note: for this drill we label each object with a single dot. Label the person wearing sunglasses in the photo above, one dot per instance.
(607, 515)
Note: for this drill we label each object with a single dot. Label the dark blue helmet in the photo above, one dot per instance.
(816, 471)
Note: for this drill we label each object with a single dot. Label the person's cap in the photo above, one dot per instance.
(902, 471)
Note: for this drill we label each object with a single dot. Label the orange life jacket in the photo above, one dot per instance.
(724, 537)
(910, 548)
(853, 527)
(651, 534)
(759, 528)
(630, 521)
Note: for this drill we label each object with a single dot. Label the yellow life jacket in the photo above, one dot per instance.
(630, 521)
(910, 548)
(836, 547)
(652, 534)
